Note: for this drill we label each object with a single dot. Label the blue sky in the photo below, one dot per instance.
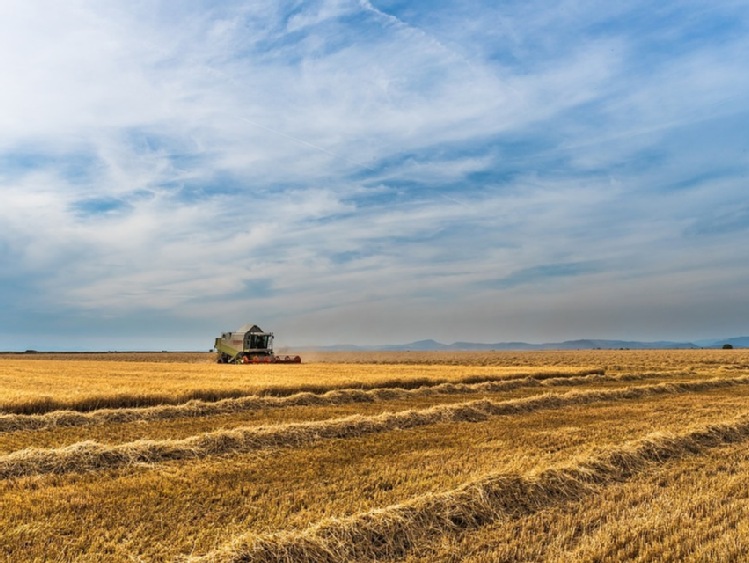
(372, 171)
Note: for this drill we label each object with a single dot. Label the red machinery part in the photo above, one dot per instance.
(271, 360)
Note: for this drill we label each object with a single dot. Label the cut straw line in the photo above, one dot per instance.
(93, 456)
(46, 405)
(392, 531)
(193, 409)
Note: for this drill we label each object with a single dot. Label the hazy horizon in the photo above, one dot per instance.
(280, 347)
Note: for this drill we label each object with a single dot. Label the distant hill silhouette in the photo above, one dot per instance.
(581, 344)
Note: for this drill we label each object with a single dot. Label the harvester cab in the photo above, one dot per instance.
(249, 345)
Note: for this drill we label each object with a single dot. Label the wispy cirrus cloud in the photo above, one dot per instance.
(524, 170)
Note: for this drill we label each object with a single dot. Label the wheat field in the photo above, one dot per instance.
(481, 457)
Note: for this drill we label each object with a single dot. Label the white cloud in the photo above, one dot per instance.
(310, 158)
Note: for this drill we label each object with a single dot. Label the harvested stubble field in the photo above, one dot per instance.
(537, 456)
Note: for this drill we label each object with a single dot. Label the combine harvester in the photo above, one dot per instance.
(249, 345)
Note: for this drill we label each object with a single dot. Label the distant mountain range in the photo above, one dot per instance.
(582, 344)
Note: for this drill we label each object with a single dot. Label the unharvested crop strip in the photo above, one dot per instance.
(130, 401)
(392, 531)
(90, 455)
(26, 422)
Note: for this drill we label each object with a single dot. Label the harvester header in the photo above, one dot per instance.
(249, 345)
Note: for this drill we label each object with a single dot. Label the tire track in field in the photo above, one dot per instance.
(93, 456)
(194, 409)
(392, 531)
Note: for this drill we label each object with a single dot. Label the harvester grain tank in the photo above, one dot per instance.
(249, 345)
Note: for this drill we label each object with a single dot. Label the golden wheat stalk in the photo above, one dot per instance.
(120, 401)
(392, 531)
(67, 418)
(91, 456)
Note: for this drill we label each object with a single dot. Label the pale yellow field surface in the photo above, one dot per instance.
(122, 379)
(558, 456)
